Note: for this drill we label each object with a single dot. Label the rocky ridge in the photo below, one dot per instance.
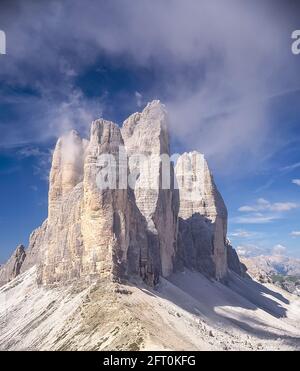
(280, 270)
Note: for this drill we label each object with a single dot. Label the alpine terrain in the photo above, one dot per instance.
(146, 267)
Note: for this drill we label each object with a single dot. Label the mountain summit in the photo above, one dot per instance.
(147, 230)
(134, 255)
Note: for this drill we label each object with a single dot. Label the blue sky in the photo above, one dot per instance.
(226, 74)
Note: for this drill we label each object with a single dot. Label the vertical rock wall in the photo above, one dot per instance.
(202, 217)
(146, 134)
(98, 225)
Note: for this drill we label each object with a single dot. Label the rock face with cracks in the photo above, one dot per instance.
(146, 141)
(93, 231)
(100, 226)
(13, 267)
(202, 218)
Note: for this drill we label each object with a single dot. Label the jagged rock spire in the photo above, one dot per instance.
(119, 231)
(146, 134)
(203, 217)
(94, 232)
(67, 168)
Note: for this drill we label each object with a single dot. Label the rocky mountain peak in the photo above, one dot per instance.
(146, 139)
(66, 170)
(13, 267)
(97, 229)
(202, 217)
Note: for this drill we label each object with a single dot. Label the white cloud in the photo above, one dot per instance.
(255, 219)
(49, 116)
(263, 211)
(291, 167)
(247, 208)
(278, 250)
(295, 233)
(296, 181)
(264, 205)
(249, 250)
(29, 152)
(284, 206)
(34, 188)
(241, 234)
(76, 112)
(42, 161)
(260, 205)
(139, 99)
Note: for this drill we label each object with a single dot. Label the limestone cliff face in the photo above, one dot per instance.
(37, 242)
(12, 268)
(94, 228)
(146, 138)
(113, 230)
(233, 261)
(63, 199)
(67, 169)
(101, 224)
(202, 217)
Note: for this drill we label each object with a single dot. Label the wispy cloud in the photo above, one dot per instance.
(241, 233)
(48, 116)
(29, 152)
(264, 205)
(42, 160)
(34, 188)
(255, 219)
(267, 185)
(295, 233)
(278, 250)
(296, 181)
(139, 99)
(250, 250)
(9, 170)
(282, 171)
(263, 211)
(291, 167)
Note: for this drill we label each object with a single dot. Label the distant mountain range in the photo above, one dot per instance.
(280, 270)
(272, 265)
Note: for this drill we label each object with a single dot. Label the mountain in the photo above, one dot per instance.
(278, 269)
(113, 265)
(111, 230)
(272, 265)
(187, 311)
